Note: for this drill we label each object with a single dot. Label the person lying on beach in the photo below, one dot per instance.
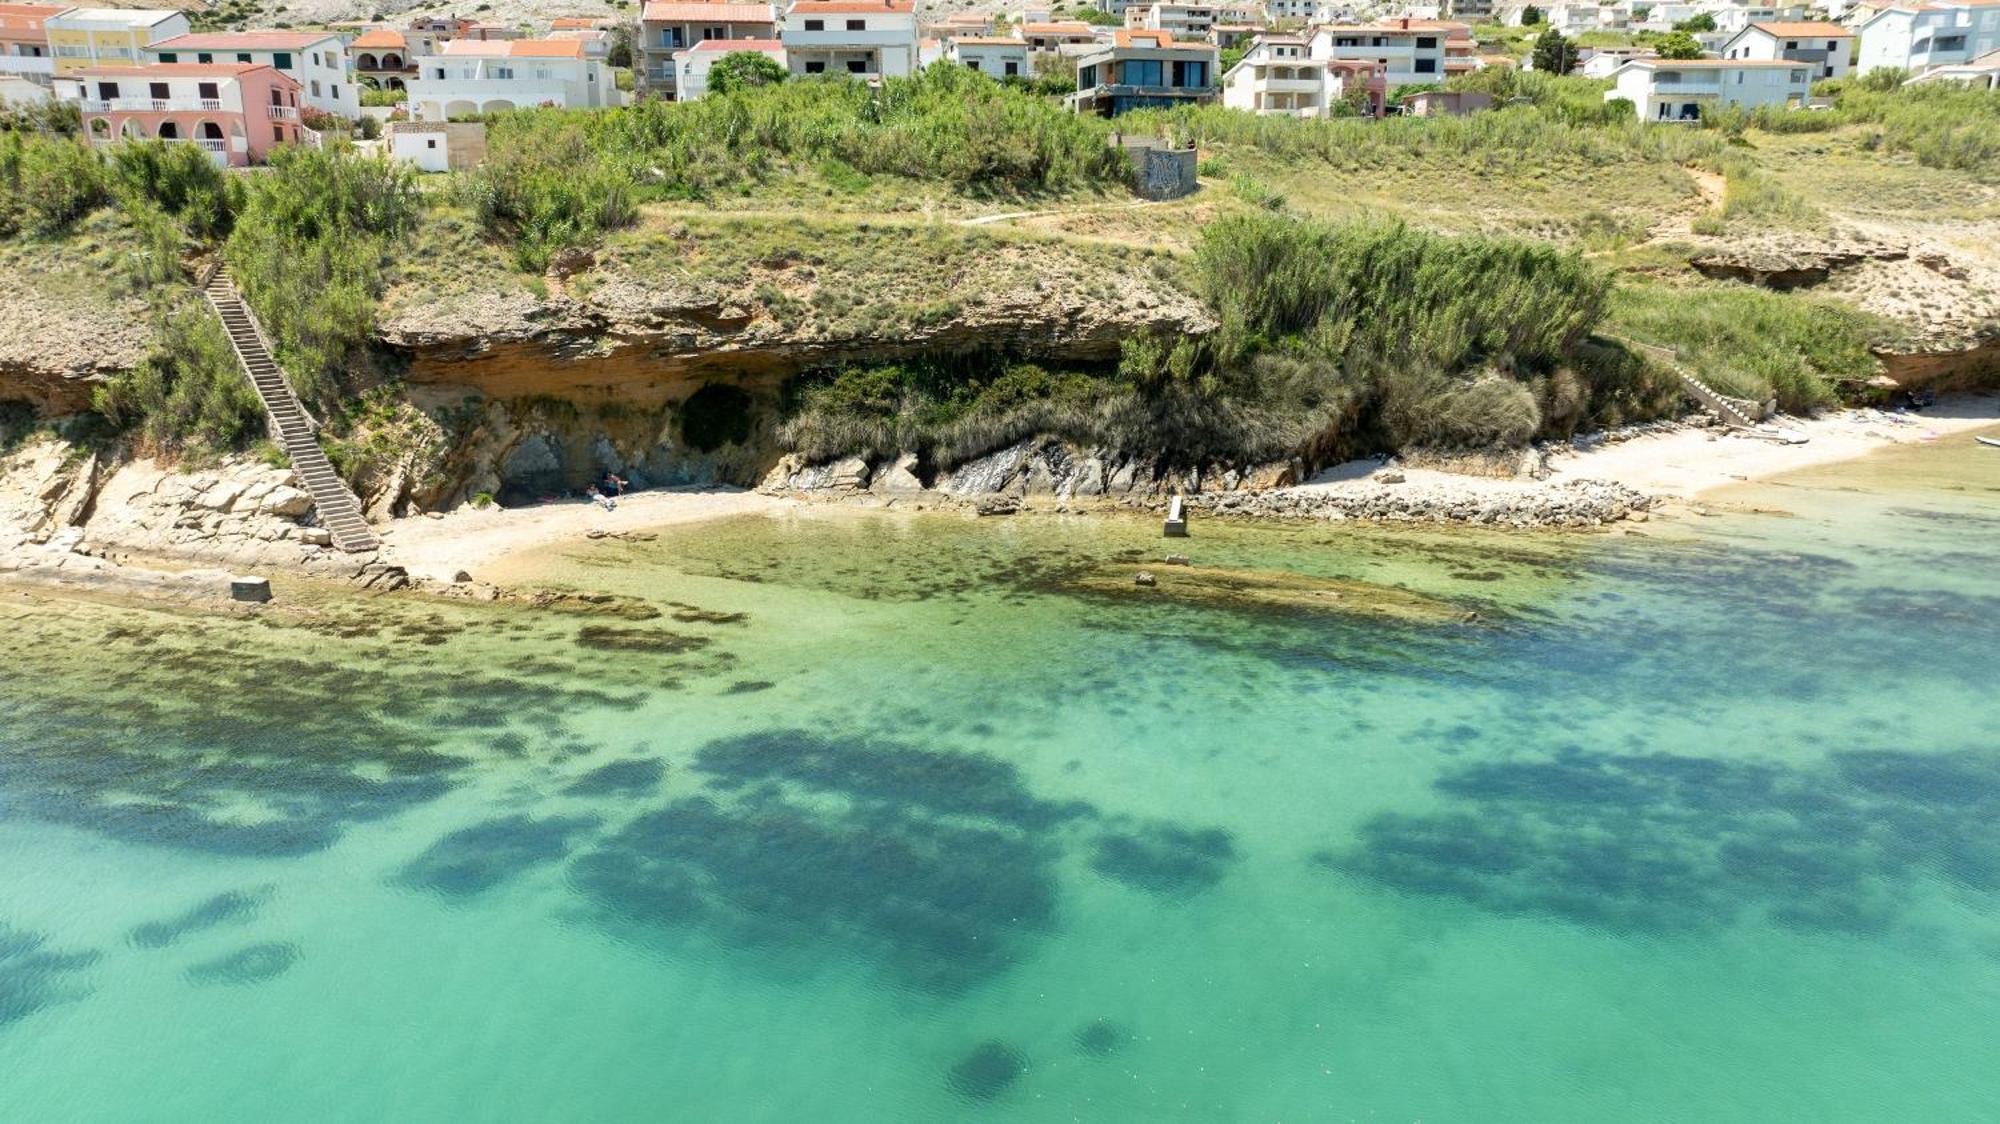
(599, 498)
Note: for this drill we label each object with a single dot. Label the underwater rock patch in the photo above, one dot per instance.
(1102, 1038)
(34, 977)
(619, 778)
(605, 638)
(475, 859)
(252, 965)
(222, 909)
(1164, 859)
(988, 1071)
(1660, 843)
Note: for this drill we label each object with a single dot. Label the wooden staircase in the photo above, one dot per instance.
(339, 510)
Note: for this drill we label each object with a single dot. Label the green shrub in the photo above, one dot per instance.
(1753, 343)
(49, 181)
(181, 180)
(189, 397)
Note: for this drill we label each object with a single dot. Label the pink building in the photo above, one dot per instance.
(237, 111)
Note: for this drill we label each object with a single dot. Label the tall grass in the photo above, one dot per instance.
(1753, 343)
(1333, 340)
(307, 252)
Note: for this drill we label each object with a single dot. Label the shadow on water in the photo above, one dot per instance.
(1662, 843)
(939, 866)
(229, 908)
(475, 859)
(34, 977)
(253, 964)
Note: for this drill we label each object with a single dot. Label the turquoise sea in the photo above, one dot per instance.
(853, 816)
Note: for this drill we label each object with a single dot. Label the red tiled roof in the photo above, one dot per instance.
(724, 46)
(379, 38)
(986, 41)
(242, 41)
(690, 11)
(854, 7)
(186, 70)
(573, 23)
(1808, 29)
(512, 48)
(1060, 27)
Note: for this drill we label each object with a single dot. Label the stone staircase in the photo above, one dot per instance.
(339, 510)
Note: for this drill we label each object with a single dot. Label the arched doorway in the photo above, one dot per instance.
(131, 130)
(497, 105)
(396, 84)
(461, 109)
(365, 62)
(169, 131)
(392, 62)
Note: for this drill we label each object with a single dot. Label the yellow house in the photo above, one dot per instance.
(83, 37)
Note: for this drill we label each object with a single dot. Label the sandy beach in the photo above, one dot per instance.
(471, 538)
(1681, 464)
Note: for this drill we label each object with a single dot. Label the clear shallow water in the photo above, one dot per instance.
(1699, 825)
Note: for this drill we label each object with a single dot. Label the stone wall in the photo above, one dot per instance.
(1162, 173)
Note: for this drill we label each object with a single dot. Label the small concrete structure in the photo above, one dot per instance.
(1176, 518)
(251, 589)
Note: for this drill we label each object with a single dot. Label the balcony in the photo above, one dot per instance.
(151, 105)
(27, 64)
(283, 112)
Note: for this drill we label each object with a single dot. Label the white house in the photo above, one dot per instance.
(691, 65)
(1412, 50)
(316, 60)
(1919, 36)
(1681, 89)
(1826, 47)
(1603, 62)
(1181, 19)
(469, 76)
(83, 37)
(991, 56)
(1048, 38)
(424, 144)
(861, 38)
(1982, 73)
(1277, 76)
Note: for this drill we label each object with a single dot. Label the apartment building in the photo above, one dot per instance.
(993, 56)
(669, 27)
(1144, 69)
(237, 112)
(471, 76)
(860, 38)
(1918, 36)
(24, 42)
(86, 37)
(1826, 47)
(1409, 50)
(693, 64)
(1681, 90)
(316, 60)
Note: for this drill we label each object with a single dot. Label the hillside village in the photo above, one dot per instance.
(493, 256)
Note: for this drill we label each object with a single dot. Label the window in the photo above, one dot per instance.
(1791, 45)
(815, 25)
(204, 57)
(169, 56)
(431, 143)
(1426, 42)
(670, 37)
(1427, 66)
(282, 60)
(315, 87)
(157, 91)
(715, 33)
(277, 134)
(972, 63)
(207, 91)
(242, 56)
(1832, 45)
(335, 91)
(857, 25)
(1086, 77)
(815, 68)
(1143, 72)
(503, 72)
(857, 66)
(1013, 69)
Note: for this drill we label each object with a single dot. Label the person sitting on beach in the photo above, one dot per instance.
(599, 498)
(613, 484)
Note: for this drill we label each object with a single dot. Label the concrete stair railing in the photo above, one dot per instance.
(339, 509)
